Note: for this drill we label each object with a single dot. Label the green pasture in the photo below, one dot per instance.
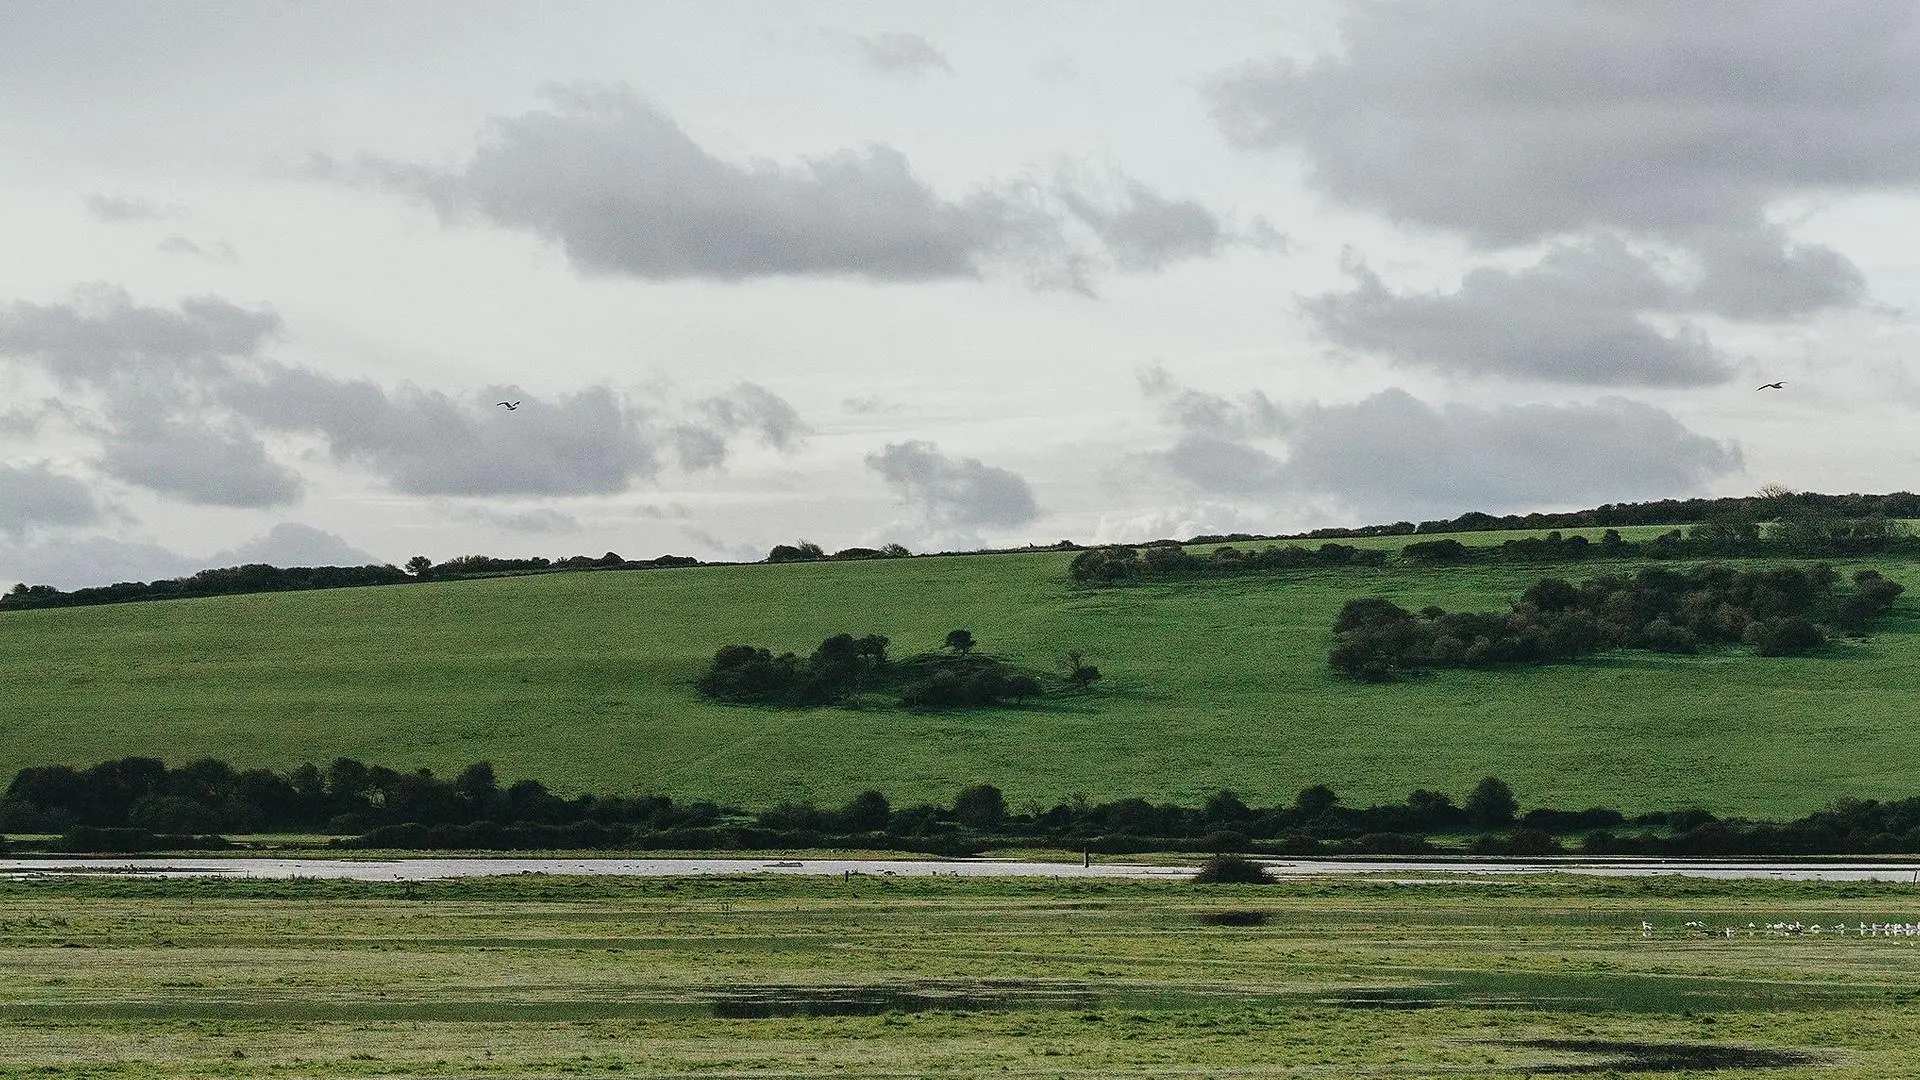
(583, 680)
(879, 978)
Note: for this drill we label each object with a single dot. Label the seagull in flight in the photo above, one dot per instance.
(1772, 386)
(508, 405)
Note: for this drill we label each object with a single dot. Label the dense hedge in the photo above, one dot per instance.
(1105, 565)
(1817, 538)
(122, 806)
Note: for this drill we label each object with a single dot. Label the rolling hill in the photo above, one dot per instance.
(584, 680)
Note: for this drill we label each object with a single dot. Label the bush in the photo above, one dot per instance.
(1784, 636)
(1229, 869)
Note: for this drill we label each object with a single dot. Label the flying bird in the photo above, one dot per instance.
(1772, 386)
(508, 405)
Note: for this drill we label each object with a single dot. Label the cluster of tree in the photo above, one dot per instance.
(844, 668)
(1105, 565)
(347, 796)
(253, 578)
(1780, 612)
(808, 551)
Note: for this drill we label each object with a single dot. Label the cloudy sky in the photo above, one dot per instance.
(941, 274)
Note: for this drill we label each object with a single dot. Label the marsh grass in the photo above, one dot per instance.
(761, 976)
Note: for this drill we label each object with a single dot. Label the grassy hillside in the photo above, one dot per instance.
(583, 680)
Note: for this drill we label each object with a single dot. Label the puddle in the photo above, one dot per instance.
(771, 1002)
(1645, 1057)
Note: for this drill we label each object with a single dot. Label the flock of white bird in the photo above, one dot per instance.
(1795, 929)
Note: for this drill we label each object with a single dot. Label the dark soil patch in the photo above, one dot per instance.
(1646, 1057)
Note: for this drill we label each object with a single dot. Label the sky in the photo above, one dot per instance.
(945, 275)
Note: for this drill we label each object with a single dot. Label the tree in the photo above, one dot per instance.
(867, 812)
(960, 641)
(981, 806)
(1492, 803)
(420, 566)
(1314, 801)
(804, 551)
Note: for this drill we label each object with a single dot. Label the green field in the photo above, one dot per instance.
(583, 680)
(877, 978)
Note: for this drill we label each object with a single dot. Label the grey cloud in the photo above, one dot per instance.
(625, 191)
(122, 208)
(222, 465)
(1391, 454)
(78, 562)
(178, 244)
(752, 408)
(184, 398)
(293, 544)
(747, 408)
(541, 520)
(954, 492)
(73, 563)
(1574, 317)
(1223, 465)
(1683, 123)
(1759, 274)
(104, 338)
(1145, 230)
(698, 448)
(34, 497)
(1513, 122)
(426, 443)
(903, 54)
(1213, 414)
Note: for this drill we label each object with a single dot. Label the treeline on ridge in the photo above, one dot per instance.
(844, 668)
(262, 578)
(1780, 612)
(1803, 537)
(1769, 503)
(141, 804)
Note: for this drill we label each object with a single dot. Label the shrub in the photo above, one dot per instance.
(1229, 869)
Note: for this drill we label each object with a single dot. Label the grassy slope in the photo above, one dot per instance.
(583, 680)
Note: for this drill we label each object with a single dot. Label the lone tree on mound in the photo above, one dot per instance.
(960, 641)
